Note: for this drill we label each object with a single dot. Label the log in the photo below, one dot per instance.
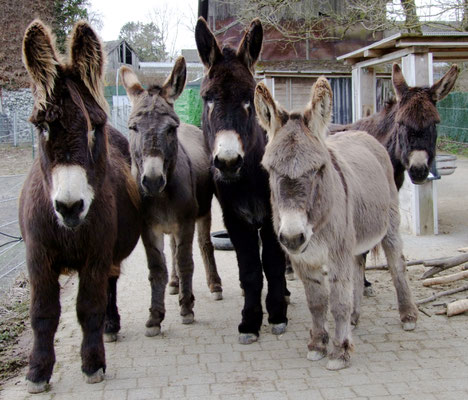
(442, 264)
(457, 307)
(444, 293)
(384, 267)
(445, 279)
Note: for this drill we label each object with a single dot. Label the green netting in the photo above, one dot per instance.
(189, 106)
(453, 112)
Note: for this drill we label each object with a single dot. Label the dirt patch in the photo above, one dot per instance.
(15, 160)
(15, 333)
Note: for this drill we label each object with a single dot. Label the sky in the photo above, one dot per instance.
(115, 13)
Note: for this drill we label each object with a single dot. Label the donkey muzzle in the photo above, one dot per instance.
(292, 243)
(228, 154)
(418, 166)
(153, 185)
(70, 212)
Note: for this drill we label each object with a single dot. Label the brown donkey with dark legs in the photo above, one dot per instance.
(333, 199)
(79, 207)
(171, 164)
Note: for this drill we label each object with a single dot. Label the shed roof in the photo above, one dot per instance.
(444, 46)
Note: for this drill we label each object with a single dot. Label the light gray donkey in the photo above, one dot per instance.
(171, 164)
(333, 199)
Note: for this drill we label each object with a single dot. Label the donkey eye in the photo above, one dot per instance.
(44, 129)
(246, 105)
(133, 127)
(210, 104)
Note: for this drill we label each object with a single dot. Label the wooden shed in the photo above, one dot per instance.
(119, 53)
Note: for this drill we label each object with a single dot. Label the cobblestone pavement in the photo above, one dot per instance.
(205, 361)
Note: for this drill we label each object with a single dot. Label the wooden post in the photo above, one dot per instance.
(363, 88)
(418, 203)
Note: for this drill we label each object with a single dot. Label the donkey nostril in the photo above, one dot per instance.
(217, 163)
(301, 238)
(238, 162)
(69, 209)
(281, 238)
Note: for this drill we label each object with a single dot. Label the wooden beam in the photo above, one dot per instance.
(396, 55)
(373, 53)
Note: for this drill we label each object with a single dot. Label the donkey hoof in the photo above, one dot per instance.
(409, 325)
(247, 338)
(97, 377)
(315, 355)
(173, 290)
(217, 296)
(188, 319)
(110, 337)
(152, 331)
(369, 291)
(37, 387)
(337, 363)
(278, 329)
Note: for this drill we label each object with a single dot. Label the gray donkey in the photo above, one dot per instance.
(333, 199)
(172, 166)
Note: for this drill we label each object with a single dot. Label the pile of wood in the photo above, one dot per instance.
(435, 267)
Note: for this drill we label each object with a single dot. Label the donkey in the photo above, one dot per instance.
(407, 125)
(171, 164)
(237, 145)
(332, 200)
(79, 206)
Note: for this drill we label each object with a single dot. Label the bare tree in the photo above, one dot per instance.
(168, 22)
(298, 20)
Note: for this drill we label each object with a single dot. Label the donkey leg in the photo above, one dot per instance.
(184, 243)
(207, 251)
(112, 321)
(91, 310)
(244, 237)
(274, 266)
(317, 301)
(44, 313)
(341, 305)
(174, 281)
(392, 246)
(359, 279)
(154, 247)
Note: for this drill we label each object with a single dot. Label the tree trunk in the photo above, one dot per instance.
(412, 23)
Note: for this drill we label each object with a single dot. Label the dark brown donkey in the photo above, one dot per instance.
(79, 207)
(237, 144)
(172, 166)
(407, 126)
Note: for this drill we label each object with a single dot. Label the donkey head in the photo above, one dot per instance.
(298, 164)
(416, 120)
(153, 127)
(70, 116)
(228, 87)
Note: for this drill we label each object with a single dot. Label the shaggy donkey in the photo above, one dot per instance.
(332, 199)
(79, 206)
(172, 166)
(407, 125)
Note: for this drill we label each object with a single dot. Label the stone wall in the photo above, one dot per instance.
(16, 104)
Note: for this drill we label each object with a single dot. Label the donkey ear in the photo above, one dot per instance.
(270, 115)
(398, 80)
(40, 59)
(87, 58)
(444, 85)
(318, 112)
(131, 83)
(251, 45)
(175, 84)
(207, 44)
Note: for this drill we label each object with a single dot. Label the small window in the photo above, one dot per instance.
(128, 55)
(121, 53)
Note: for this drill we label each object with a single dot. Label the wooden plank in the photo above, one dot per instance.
(373, 53)
(392, 56)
